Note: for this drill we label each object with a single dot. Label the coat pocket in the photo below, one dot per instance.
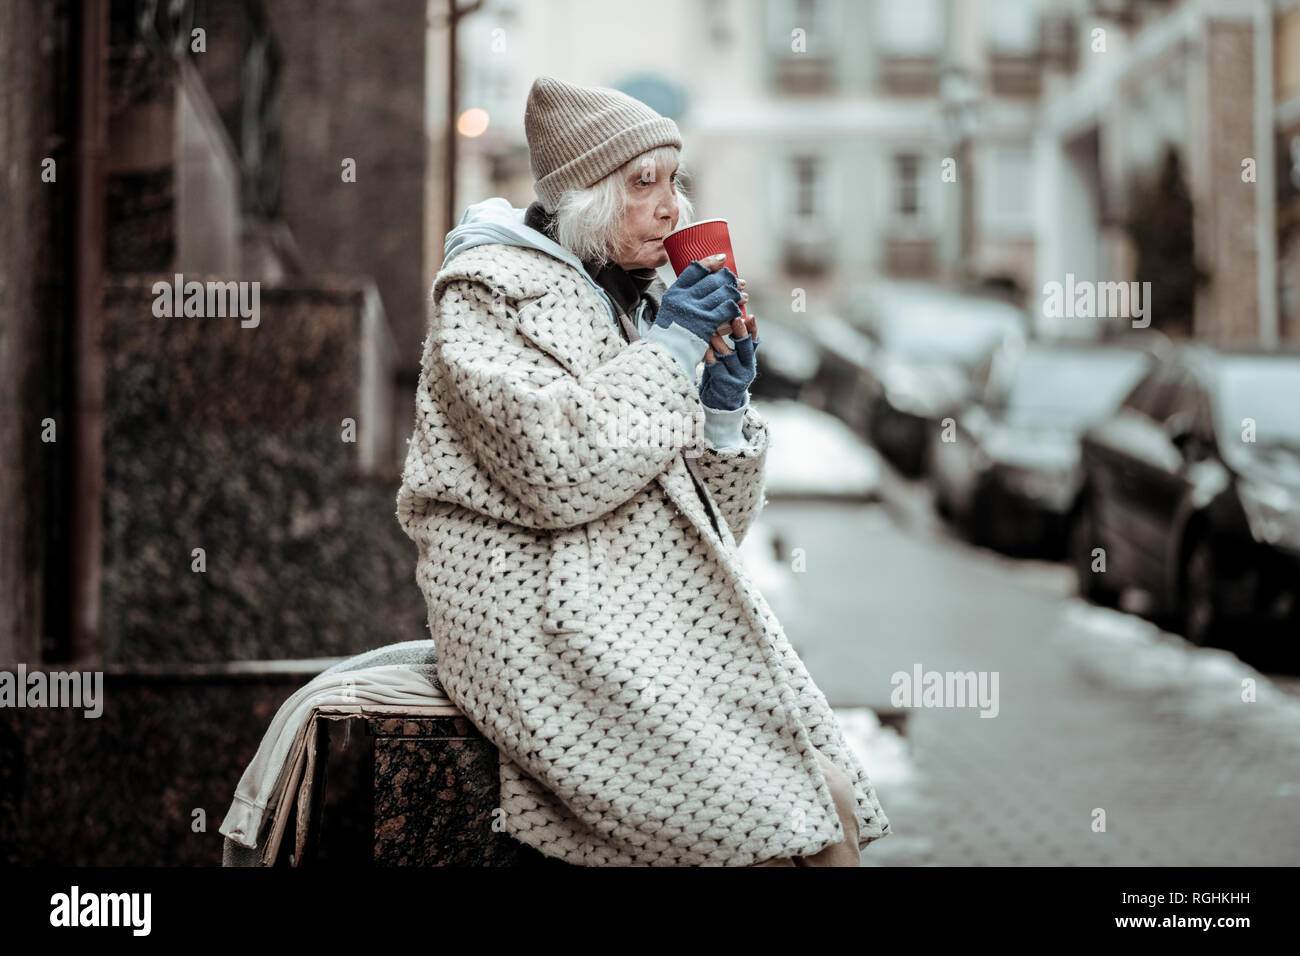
(570, 590)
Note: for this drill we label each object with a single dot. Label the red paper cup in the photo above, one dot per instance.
(699, 240)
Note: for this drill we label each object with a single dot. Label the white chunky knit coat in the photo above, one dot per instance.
(646, 703)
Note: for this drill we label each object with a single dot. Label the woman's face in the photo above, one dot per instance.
(651, 214)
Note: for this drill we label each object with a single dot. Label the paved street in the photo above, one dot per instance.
(1096, 709)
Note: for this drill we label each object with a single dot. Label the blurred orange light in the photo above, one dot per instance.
(473, 122)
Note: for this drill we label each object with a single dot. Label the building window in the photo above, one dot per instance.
(817, 20)
(807, 186)
(803, 63)
(807, 240)
(909, 247)
(719, 16)
(1013, 36)
(811, 13)
(909, 36)
(1008, 204)
(1011, 26)
(907, 186)
(909, 27)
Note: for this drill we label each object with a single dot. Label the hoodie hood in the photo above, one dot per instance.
(495, 220)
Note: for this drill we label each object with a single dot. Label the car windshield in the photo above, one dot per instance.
(1070, 388)
(1264, 389)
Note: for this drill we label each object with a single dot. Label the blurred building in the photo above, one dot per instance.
(843, 141)
(1002, 143)
(210, 140)
(1178, 140)
(196, 507)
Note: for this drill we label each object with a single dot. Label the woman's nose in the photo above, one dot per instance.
(668, 206)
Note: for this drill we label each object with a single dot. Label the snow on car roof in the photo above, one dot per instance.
(926, 319)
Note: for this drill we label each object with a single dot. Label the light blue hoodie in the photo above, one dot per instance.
(495, 220)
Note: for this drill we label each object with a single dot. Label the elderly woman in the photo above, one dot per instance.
(589, 606)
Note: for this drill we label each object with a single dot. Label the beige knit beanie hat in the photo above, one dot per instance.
(577, 135)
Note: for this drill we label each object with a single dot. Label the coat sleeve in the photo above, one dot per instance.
(736, 476)
(559, 444)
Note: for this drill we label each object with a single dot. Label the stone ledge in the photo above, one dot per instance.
(386, 786)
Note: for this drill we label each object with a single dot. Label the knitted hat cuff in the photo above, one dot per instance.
(607, 157)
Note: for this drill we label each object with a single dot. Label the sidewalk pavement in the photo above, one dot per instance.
(1097, 711)
(1104, 712)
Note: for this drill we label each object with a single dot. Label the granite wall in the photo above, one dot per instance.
(217, 437)
(350, 85)
(36, 126)
(123, 789)
(149, 782)
(234, 440)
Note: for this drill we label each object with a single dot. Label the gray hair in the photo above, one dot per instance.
(587, 221)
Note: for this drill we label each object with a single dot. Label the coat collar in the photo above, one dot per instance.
(625, 287)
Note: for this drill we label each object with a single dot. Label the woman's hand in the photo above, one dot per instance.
(728, 373)
(736, 327)
(705, 295)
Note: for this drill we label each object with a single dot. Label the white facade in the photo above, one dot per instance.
(1196, 75)
(816, 127)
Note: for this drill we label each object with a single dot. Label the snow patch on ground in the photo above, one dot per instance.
(774, 579)
(813, 452)
(1174, 676)
(880, 749)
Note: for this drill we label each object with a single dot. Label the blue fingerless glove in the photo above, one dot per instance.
(691, 310)
(701, 301)
(725, 385)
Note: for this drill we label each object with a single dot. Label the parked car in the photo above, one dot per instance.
(929, 342)
(788, 363)
(1006, 468)
(1192, 490)
(844, 386)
